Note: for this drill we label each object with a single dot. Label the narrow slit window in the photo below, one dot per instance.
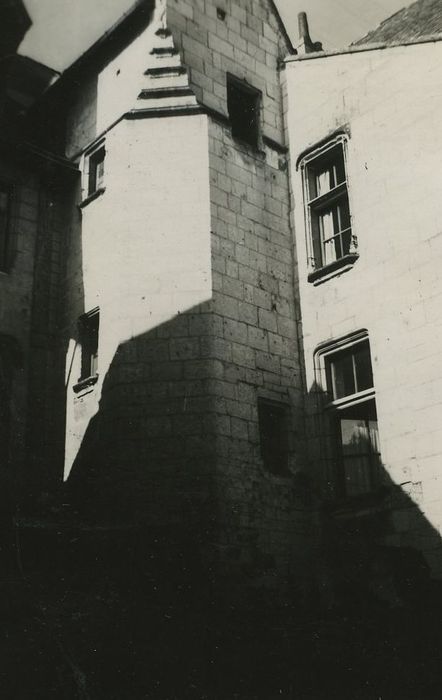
(96, 171)
(274, 436)
(88, 330)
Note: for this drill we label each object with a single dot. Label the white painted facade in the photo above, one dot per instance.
(388, 102)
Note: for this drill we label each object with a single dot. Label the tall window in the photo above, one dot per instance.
(331, 241)
(352, 411)
(273, 432)
(5, 218)
(88, 332)
(243, 104)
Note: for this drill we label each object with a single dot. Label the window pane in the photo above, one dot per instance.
(332, 221)
(351, 371)
(343, 214)
(355, 436)
(360, 448)
(324, 181)
(343, 376)
(100, 174)
(364, 373)
(329, 171)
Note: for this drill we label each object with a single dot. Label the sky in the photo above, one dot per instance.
(63, 29)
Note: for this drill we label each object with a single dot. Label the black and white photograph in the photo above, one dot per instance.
(220, 350)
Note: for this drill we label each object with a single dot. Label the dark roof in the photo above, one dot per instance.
(14, 23)
(422, 18)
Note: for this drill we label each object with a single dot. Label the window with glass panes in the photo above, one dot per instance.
(353, 414)
(96, 170)
(328, 211)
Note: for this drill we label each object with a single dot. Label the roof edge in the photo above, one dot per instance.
(282, 27)
(433, 38)
(137, 15)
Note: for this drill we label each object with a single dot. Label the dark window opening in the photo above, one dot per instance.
(96, 171)
(274, 437)
(88, 330)
(243, 104)
(5, 221)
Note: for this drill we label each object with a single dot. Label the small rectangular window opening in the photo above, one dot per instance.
(96, 170)
(273, 431)
(88, 331)
(243, 104)
(5, 222)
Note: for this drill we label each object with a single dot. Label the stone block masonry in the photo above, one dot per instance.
(255, 342)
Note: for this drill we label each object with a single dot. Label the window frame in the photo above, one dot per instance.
(252, 139)
(89, 347)
(318, 268)
(92, 186)
(334, 409)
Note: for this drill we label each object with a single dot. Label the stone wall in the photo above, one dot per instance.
(254, 338)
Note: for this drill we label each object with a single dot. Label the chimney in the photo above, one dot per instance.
(306, 45)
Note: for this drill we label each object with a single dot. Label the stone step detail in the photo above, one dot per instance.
(166, 80)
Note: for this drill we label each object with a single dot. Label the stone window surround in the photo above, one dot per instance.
(331, 408)
(319, 273)
(89, 189)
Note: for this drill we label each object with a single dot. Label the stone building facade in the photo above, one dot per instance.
(219, 345)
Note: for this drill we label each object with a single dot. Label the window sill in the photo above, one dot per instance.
(335, 268)
(85, 383)
(251, 148)
(91, 197)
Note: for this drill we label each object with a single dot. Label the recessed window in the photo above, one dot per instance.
(96, 171)
(274, 435)
(243, 104)
(353, 416)
(88, 326)
(5, 224)
(331, 242)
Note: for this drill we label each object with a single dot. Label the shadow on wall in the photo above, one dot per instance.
(123, 594)
(136, 573)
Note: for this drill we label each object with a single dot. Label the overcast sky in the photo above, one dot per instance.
(64, 29)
